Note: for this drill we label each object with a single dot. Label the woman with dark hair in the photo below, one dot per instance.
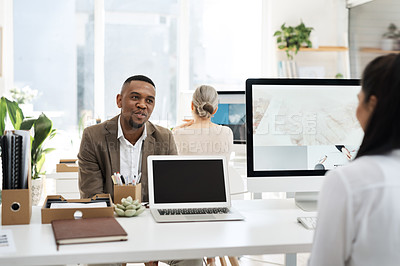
(359, 204)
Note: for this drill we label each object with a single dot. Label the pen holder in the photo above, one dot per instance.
(123, 191)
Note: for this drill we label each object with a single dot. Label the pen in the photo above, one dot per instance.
(118, 177)
(123, 179)
(138, 178)
(113, 179)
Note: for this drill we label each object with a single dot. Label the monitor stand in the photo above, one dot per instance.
(307, 201)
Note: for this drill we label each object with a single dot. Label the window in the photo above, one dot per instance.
(77, 54)
(225, 43)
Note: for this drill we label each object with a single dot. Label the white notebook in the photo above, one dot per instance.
(189, 188)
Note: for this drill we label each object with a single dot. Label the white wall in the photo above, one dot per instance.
(7, 69)
(367, 24)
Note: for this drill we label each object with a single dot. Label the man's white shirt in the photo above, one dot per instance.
(130, 155)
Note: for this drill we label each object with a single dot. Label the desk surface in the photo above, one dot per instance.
(270, 228)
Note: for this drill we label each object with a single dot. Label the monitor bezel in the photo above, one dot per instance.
(249, 121)
(235, 93)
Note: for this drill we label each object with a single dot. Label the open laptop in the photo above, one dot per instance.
(189, 188)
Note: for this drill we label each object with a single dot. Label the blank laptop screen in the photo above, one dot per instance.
(188, 181)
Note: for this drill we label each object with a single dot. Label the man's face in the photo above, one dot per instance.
(136, 101)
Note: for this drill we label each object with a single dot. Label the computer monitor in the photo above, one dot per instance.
(232, 113)
(297, 130)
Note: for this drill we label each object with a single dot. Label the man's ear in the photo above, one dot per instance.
(119, 100)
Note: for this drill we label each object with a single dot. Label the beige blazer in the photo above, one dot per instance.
(99, 156)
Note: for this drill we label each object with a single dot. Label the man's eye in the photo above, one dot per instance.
(150, 101)
(135, 97)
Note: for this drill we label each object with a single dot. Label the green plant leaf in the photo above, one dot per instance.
(40, 161)
(27, 124)
(14, 113)
(53, 133)
(45, 151)
(3, 113)
(290, 39)
(42, 129)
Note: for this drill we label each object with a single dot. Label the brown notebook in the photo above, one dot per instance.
(88, 230)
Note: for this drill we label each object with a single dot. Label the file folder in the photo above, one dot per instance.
(16, 193)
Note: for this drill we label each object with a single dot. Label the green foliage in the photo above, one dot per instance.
(339, 76)
(392, 32)
(291, 38)
(42, 130)
(14, 113)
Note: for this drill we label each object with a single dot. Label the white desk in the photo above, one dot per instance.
(270, 228)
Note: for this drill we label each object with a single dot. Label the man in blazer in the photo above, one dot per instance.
(123, 143)
(100, 151)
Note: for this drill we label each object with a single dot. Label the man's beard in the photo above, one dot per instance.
(134, 125)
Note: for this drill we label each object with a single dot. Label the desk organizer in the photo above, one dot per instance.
(16, 206)
(49, 214)
(123, 191)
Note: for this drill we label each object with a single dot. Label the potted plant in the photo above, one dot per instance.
(291, 38)
(390, 38)
(42, 130)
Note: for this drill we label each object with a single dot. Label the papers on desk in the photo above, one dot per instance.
(6, 241)
(66, 205)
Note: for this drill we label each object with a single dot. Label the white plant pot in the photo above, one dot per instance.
(37, 188)
(388, 44)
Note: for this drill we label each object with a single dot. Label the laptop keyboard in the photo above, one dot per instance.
(193, 211)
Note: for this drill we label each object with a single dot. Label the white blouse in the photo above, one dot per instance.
(359, 214)
(217, 140)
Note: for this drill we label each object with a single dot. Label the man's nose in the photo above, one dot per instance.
(142, 104)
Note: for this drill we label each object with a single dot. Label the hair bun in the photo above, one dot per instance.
(205, 101)
(201, 111)
(208, 107)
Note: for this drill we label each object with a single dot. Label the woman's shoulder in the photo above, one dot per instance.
(363, 171)
(222, 128)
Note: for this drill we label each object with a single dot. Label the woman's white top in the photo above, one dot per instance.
(359, 214)
(217, 140)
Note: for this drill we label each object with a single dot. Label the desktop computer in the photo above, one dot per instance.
(232, 113)
(297, 129)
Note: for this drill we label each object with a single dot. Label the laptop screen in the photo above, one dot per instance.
(188, 181)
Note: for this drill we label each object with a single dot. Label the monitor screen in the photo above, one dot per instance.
(232, 113)
(301, 127)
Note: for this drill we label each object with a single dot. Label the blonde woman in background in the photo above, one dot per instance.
(200, 136)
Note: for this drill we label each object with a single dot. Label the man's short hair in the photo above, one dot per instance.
(141, 78)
